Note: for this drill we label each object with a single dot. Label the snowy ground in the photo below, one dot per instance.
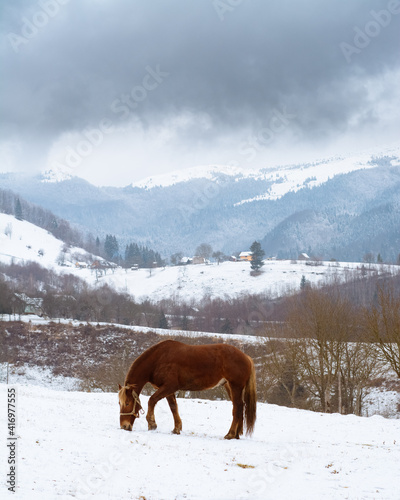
(70, 446)
(37, 376)
(229, 279)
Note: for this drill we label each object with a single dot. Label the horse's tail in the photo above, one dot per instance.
(250, 401)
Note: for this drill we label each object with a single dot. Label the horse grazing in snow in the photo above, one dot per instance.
(170, 366)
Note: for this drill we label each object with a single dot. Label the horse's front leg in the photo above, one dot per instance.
(151, 420)
(174, 409)
(160, 393)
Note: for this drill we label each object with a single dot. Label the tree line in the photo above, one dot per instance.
(135, 255)
(67, 296)
(332, 352)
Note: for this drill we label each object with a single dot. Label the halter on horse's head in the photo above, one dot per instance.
(129, 405)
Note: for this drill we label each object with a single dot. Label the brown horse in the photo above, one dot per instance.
(170, 366)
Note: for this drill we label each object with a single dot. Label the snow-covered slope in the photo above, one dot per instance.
(209, 172)
(229, 279)
(21, 241)
(293, 178)
(70, 446)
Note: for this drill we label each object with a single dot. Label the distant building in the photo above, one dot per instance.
(245, 255)
(303, 256)
(198, 260)
(30, 305)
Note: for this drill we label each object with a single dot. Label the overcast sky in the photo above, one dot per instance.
(117, 90)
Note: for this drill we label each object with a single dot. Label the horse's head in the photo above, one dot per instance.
(129, 406)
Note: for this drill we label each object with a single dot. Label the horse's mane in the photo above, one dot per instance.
(143, 357)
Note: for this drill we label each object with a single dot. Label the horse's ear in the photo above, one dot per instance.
(119, 387)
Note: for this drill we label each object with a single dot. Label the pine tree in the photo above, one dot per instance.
(163, 323)
(227, 326)
(111, 247)
(304, 283)
(257, 256)
(18, 210)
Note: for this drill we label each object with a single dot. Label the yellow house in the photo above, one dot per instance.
(245, 255)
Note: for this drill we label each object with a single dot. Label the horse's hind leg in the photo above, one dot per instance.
(239, 430)
(237, 413)
(228, 390)
(174, 408)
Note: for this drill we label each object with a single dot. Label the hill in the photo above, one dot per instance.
(21, 242)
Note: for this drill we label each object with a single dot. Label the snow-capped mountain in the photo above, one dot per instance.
(342, 207)
(281, 179)
(57, 174)
(209, 172)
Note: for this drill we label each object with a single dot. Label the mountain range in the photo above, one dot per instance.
(342, 207)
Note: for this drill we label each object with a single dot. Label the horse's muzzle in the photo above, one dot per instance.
(127, 427)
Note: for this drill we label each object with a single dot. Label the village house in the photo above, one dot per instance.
(81, 265)
(27, 305)
(198, 260)
(245, 256)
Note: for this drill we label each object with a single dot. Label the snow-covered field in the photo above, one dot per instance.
(229, 279)
(70, 446)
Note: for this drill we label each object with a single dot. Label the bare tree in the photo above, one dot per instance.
(334, 366)
(204, 250)
(176, 258)
(369, 258)
(283, 363)
(8, 230)
(383, 324)
(218, 256)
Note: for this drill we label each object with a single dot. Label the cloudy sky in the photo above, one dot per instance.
(118, 90)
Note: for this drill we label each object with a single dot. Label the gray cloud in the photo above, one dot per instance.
(261, 57)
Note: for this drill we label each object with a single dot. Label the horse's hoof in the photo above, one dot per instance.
(230, 436)
(176, 431)
(152, 427)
